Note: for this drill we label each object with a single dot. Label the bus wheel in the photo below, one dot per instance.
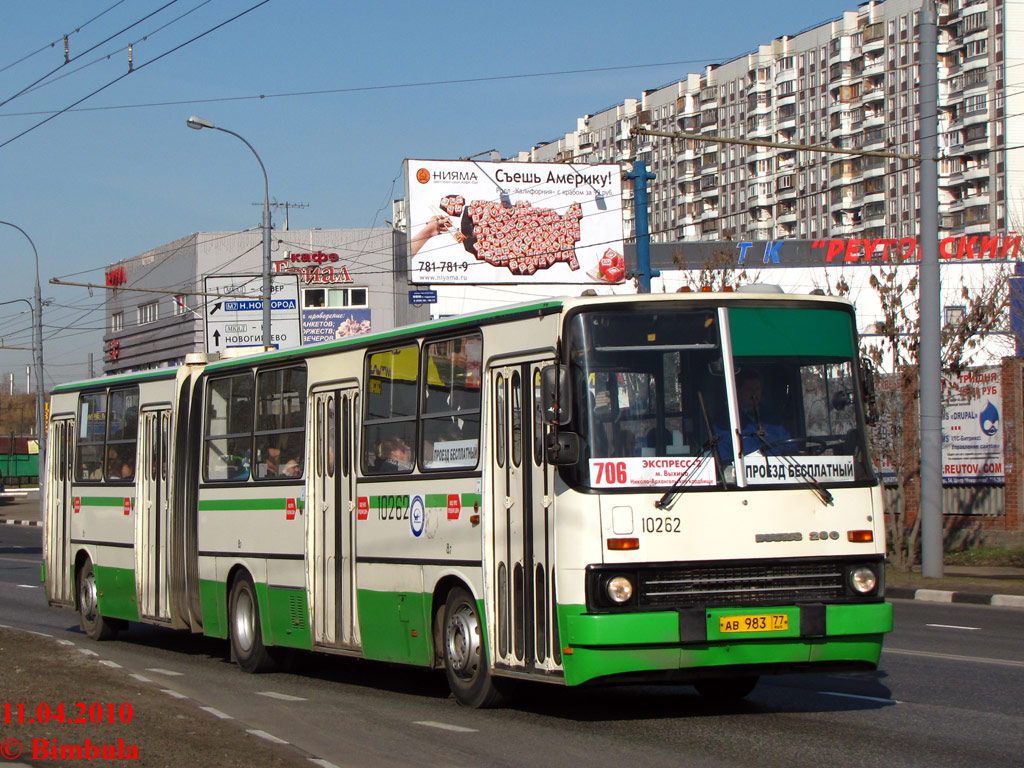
(726, 688)
(89, 618)
(465, 662)
(246, 637)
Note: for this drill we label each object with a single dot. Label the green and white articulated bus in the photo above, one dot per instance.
(669, 488)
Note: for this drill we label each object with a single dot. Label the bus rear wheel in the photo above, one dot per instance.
(93, 623)
(465, 662)
(726, 688)
(246, 635)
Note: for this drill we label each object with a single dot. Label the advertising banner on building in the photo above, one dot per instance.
(328, 324)
(508, 222)
(972, 430)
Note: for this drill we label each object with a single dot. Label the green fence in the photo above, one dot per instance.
(20, 465)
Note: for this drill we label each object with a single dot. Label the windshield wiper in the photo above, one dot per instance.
(710, 448)
(807, 480)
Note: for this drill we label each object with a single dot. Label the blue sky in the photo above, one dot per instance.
(121, 173)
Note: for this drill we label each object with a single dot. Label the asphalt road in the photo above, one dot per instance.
(947, 693)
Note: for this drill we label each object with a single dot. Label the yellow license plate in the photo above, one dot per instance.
(765, 622)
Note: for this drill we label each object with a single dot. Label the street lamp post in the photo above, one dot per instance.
(37, 347)
(198, 123)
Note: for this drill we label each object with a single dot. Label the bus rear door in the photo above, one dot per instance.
(152, 479)
(330, 510)
(60, 581)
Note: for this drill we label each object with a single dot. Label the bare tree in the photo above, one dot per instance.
(718, 273)
(894, 347)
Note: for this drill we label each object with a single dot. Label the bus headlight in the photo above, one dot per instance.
(619, 589)
(863, 580)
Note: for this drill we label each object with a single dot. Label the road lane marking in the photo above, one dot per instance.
(108, 663)
(217, 713)
(87, 652)
(322, 763)
(265, 735)
(141, 678)
(952, 626)
(280, 696)
(173, 694)
(445, 726)
(29, 586)
(855, 696)
(955, 657)
(170, 672)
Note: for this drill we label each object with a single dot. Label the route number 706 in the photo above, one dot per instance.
(611, 472)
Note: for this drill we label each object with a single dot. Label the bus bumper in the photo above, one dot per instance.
(682, 645)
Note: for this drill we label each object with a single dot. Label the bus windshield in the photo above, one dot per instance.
(665, 396)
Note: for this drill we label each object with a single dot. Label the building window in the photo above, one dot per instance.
(334, 297)
(117, 322)
(974, 104)
(149, 313)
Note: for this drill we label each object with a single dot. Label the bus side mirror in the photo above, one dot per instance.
(562, 448)
(867, 392)
(556, 395)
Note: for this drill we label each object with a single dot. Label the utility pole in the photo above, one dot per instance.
(930, 358)
(640, 177)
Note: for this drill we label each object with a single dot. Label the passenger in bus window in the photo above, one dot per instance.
(270, 460)
(290, 467)
(757, 434)
(394, 455)
(118, 467)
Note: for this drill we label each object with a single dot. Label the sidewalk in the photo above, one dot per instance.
(981, 585)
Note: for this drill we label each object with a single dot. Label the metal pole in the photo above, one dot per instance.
(930, 359)
(640, 178)
(266, 263)
(199, 123)
(37, 350)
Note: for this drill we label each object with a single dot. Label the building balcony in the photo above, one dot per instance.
(873, 120)
(874, 197)
(974, 172)
(786, 218)
(978, 227)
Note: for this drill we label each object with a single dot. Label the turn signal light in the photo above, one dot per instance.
(860, 536)
(631, 543)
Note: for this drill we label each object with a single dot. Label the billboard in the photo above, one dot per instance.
(329, 324)
(508, 222)
(972, 435)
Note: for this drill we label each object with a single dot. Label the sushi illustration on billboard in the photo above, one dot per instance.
(479, 223)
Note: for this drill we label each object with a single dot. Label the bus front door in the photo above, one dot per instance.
(152, 479)
(330, 511)
(522, 547)
(60, 581)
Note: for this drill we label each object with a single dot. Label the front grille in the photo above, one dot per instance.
(740, 584)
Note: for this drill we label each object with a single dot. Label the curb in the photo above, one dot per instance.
(947, 596)
(20, 522)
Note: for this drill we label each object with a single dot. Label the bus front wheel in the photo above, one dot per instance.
(246, 636)
(465, 662)
(90, 619)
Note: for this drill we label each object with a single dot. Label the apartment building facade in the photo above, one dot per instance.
(851, 83)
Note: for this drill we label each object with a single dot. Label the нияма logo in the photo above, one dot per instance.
(422, 175)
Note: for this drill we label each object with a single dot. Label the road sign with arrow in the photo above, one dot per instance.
(236, 319)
